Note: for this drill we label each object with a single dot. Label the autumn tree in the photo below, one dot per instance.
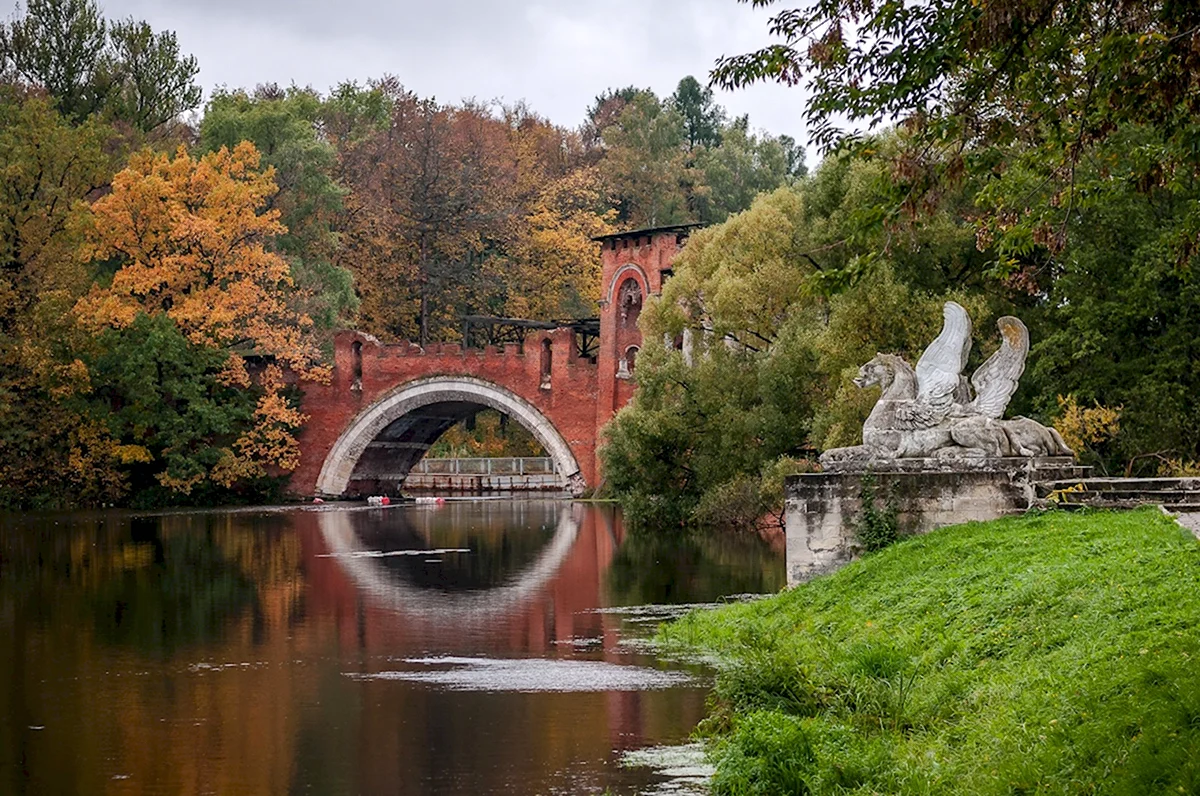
(190, 240)
(433, 192)
(552, 265)
(283, 125)
(50, 451)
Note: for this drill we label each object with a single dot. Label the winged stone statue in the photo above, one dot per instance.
(932, 411)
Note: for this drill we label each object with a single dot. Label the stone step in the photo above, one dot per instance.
(1084, 499)
(1137, 495)
(1140, 484)
(1174, 508)
(1127, 485)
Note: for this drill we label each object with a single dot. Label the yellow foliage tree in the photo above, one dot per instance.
(1083, 427)
(553, 268)
(191, 238)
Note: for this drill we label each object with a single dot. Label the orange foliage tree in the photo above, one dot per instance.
(553, 265)
(468, 209)
(190, 239)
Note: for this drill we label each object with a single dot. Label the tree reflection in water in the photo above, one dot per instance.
(210, 651)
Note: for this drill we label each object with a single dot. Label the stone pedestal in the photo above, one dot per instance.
(823, 509)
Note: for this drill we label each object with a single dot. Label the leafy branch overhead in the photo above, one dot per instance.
(1029, 95)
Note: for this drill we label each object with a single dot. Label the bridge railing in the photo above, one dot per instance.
(527, 465)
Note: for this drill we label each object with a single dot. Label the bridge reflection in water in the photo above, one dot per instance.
(529, 587)
(249, 651)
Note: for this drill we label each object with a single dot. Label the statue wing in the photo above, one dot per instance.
(996, 380)
(939, 368)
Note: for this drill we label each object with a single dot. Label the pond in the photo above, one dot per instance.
(475, 647)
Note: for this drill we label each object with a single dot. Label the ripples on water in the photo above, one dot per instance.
(531, 675)
(473, 648)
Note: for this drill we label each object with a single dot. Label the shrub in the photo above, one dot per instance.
(877, 527)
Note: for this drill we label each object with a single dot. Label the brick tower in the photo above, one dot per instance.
(634, 265)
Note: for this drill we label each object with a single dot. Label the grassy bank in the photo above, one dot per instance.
(1052, 653)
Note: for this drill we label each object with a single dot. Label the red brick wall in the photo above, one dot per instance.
(569, 403)
(582, 398)
(642, 258)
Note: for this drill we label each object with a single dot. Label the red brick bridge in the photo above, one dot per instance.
(386, 404)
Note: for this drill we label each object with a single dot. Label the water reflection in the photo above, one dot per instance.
(239, 652)
(487, 574)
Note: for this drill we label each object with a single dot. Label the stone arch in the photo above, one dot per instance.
(412, 407)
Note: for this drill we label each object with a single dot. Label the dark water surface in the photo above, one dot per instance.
(473, 648)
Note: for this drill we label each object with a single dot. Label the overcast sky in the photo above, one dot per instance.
(556, 54)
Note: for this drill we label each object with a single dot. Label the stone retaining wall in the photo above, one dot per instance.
(823, 509)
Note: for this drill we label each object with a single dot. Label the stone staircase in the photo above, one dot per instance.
(1176, 495)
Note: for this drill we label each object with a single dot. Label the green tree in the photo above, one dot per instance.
(702, 116)
(1118, 324)
(166, 401)
(741, 167)
(283, 125)
(151, 83)
(1024, 93)
(57, 45)
(645, 163)
(732, 399)
(51, 453)
(89, 66)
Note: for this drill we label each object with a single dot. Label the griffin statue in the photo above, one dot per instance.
(932, 412)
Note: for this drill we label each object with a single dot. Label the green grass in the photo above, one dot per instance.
(1052, 653)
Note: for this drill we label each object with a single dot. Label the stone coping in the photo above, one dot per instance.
(954, 465)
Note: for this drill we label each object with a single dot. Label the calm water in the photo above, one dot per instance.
(472, 648)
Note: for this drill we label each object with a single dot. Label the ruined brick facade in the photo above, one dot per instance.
(546, 375)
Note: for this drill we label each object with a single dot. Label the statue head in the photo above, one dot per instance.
(881, 371)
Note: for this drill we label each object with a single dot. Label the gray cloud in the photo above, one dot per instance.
(555, 55)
